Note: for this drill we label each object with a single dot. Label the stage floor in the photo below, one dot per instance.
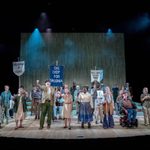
(31, 130)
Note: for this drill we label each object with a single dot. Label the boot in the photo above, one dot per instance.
(40, 128)
(89, 125)
(35, 117)
(69, 127)
(48, 126)
(82, 125)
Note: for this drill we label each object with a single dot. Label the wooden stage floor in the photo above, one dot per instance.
(31, 130)
(77, 137)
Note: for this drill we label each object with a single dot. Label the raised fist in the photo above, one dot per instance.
(37, 81)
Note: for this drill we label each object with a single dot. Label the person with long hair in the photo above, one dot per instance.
(20, 107)
(67, 108)
(108, 107)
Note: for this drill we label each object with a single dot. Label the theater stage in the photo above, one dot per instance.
(31, 130)
(31, 134)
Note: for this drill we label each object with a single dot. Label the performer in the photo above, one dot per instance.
(76, 95)
(129, 107)
(108, 106)
(59, 105)
(99, 105)
(67, 108)
(86, 107)
(20, 107)
(11, 110)
(36, 95)
(47, 103)
(5, 98)
(145, 99)
(1, 113)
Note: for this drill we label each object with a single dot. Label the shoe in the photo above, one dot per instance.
(65, 126)
(20, 127)
(129, 125)
(16, 128)
(89, 125)
(69, 128)
(40, 128)
(105, 127)
(82, 125)
(48, 126)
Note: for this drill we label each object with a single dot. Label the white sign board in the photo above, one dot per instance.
(18, 68)
(96, 75)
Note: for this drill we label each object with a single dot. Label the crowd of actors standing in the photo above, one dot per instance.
(95, 104)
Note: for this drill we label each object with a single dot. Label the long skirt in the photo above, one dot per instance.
(20, 115)
(85, 112)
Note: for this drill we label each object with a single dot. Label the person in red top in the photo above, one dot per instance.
(128, 106)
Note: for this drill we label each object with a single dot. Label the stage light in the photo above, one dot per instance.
(48, 30)
(43, 22)
(43, 15)
(109, 33)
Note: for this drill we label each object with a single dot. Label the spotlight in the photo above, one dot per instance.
(48, 30)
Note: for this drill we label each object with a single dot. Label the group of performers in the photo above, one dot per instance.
(94, 104)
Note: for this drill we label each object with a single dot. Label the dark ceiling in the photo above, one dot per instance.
(88, 16)
(129, 17)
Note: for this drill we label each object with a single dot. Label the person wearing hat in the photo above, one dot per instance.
(47, 103)
(129, 106)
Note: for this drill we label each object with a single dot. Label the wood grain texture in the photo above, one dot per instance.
(77, 52)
